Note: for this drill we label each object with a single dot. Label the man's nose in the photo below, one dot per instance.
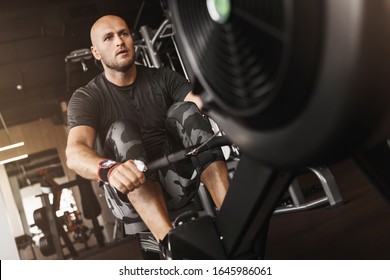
(118, 41)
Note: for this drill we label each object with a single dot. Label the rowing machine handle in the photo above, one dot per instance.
(186, 153)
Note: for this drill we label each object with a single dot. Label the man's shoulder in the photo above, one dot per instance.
(144, 70)
(162, 75)
(93, 85)
(96, 82)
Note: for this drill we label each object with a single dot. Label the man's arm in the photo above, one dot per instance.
(194, 98)
(80, 154)
(84, 161)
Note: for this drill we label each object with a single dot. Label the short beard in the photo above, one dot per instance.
(123, 67)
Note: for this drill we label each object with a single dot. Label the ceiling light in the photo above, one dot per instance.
(11, 146)
(13, 159)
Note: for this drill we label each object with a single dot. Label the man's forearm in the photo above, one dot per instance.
(83, 160)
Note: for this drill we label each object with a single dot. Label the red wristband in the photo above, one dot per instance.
(104, 169)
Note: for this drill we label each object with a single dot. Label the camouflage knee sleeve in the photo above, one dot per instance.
(187, 125)
(123, 142)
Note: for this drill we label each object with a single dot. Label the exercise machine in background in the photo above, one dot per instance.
(62, 232)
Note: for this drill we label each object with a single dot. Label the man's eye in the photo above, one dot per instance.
(124, 34)
(107, 38)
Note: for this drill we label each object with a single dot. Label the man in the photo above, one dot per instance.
(128, 108)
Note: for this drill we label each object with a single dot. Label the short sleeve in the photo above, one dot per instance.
(82, 109)
(177, 85)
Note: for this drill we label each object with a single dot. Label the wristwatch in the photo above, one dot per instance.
(104, 169)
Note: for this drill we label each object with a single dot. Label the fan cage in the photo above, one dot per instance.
(241, 60)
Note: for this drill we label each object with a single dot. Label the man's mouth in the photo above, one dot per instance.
(122, 52)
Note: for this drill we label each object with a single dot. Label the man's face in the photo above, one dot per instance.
(113, 44)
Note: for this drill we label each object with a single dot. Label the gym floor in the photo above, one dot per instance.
(356, 230)
(359, 229)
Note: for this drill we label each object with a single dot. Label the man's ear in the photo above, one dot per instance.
(95, 53)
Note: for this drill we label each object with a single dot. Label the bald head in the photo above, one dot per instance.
(112, 44)
(104, 24)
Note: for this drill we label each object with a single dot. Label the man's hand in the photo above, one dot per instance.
(126, 177)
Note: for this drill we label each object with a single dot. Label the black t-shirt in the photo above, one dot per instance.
(100, 103)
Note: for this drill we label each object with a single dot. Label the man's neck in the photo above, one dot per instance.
(121, 78)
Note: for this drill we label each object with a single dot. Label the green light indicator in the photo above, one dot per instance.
(219, 10)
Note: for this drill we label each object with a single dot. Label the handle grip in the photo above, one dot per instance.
(183, 154)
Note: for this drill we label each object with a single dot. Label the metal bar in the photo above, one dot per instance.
(180, 59)
(85, 54)
(163, 26)
(146, 35)
(328, 183)
(305, 206)
(206, 203)
(296, 193)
